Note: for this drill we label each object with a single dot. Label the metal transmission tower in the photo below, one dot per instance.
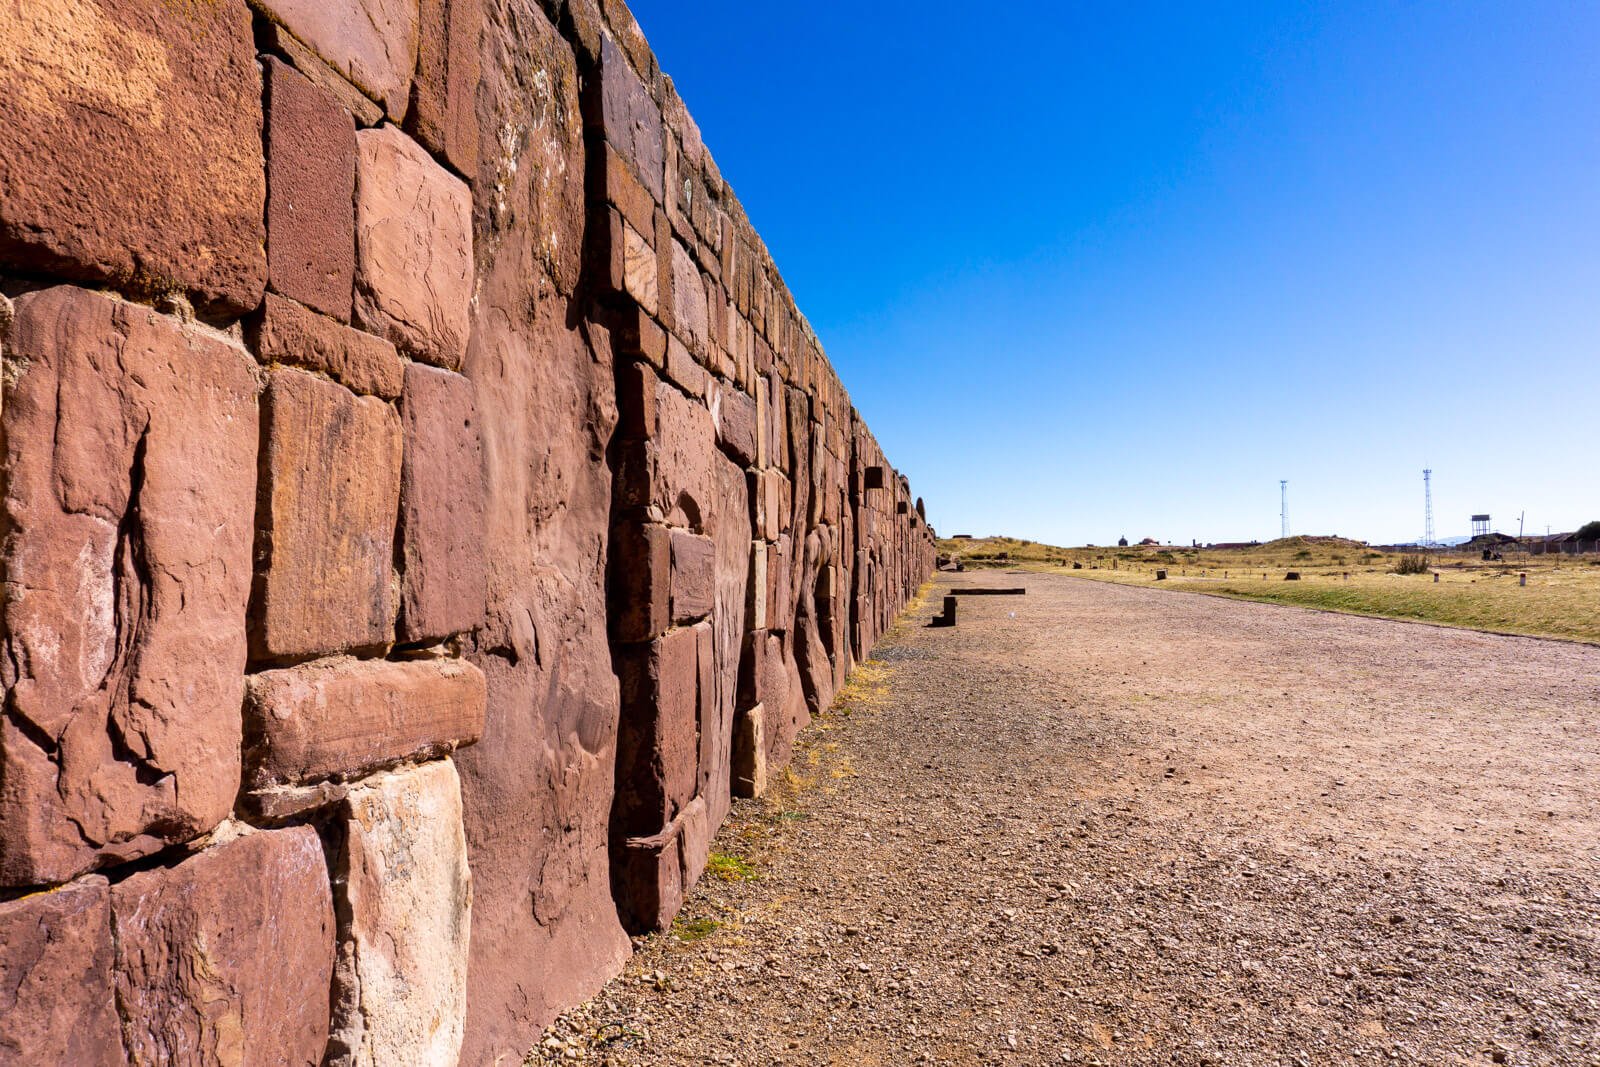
(1427, 504)
(1283, 507)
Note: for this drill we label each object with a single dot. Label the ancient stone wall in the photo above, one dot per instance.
(424, 509)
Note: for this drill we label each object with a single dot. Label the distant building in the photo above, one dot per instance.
(1122, 542)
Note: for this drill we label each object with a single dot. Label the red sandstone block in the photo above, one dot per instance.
(330, 495)
(689, 302)
(311, 180)
(636, 401)
(373, 43)
(346, 718)
(639, 581)
(682, 368)
(56, 1003)
(713, 755)
(626, 193)
(694, 577)
(736, 426)
(657, 747)
(130, 445)
(284, 332)
(648, 882)
(442, 590)
(620, 105)
(229, 954)
(443, 98)
(413, 248)
(130, 150)
(639, 336)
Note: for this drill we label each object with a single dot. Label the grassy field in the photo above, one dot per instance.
(1561, 599)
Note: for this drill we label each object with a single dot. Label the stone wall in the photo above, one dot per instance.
(424, 510)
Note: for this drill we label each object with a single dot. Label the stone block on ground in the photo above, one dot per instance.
(311, 180)
(373, 43)
(345, 718)
(130, 151)
(56, 1001)
(750, 752)
(284, 332)
(647, 881)
(226, 958)
(130, 445)
(413, 248)
(331, 493)
(441, 507)
(400, 985)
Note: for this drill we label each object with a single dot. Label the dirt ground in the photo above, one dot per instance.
(1106, 825)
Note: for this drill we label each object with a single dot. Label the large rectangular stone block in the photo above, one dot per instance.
(442, 114)
(694, 579)
(628, 117)
(130, 150)
(56, 1001)
(657, 743)
(345, 718)
(284, 332)
(329, 506)
(441, 507)
(400, 987)
(130, 445)
(736, 426)
(639, 580)
(311, 180)
(413, 248)
(373, 43)
(226, 958)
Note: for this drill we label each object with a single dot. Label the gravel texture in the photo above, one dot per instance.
(1097, 824)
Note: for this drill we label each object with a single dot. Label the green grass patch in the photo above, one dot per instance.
(731, 868)
(694, 929)
(1544, 610)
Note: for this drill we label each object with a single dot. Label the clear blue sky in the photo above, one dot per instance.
(1103, 269)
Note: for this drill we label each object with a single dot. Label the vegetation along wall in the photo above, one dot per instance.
(424, 507)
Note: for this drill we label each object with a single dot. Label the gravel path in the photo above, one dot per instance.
(1107, 825)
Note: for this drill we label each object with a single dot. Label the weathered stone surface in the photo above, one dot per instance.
(648, 881)
(284, 332)
(56, 1002)
(226, 958)
(130, 152)
(443, 97)
(693, 576)
(547, 406)
(629, 118)
(689, 302)
(441, 506)
(750, 753)
(371, 42)
(640, 581)
(311, 180)
(331, 493)
(639, 268)
(413, 248)
(345, 717)
(657, 747)
(130, 449)
(400, 987)
(736, 426)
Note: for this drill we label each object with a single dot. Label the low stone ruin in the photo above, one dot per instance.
(425, 509)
